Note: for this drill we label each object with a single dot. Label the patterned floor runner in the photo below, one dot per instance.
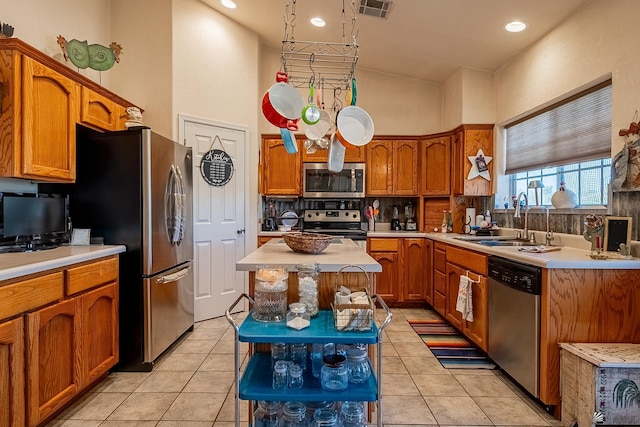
(452, 350)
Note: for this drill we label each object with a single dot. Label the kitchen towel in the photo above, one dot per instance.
(464, 303)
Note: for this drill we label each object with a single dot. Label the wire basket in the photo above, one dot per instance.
(356, 314)
(307, 243)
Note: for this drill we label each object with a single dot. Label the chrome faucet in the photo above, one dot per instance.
(549, 236)
(525, 233)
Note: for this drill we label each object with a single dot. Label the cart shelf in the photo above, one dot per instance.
(321, 330)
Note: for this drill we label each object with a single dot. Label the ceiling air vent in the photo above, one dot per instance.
(376, 8)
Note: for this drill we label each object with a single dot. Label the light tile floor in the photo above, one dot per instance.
(192, 386)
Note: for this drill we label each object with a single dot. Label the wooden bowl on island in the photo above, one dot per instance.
(307, 243)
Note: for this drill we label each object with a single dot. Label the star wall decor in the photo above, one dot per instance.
(479, 166)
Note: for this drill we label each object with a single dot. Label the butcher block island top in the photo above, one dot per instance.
(339, 253)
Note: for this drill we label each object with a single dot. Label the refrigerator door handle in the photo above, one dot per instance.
(176, 209)
(174, 277)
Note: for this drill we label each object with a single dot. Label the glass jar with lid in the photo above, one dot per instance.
(270, 294)
(297, 316)
(308, 276)
(352, 414)
(358, 366)
(294, 414)
(267, 414)
(326, 417)
(334, 375)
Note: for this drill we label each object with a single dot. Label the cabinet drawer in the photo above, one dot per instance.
(383, 245)
(440, 282)
(467, 259)
(29, 294)
(91, 275)
(440, 260)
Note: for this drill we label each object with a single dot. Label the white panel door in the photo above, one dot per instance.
(219, 220)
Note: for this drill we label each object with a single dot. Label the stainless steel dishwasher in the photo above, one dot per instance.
(514, 320)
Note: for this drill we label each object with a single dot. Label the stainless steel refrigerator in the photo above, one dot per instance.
(134, 188)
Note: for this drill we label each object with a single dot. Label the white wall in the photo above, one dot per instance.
(596, 42)
(397, 105)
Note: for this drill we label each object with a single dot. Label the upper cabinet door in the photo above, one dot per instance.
(281, 171)
(436, 166)
(97, 111)
(405, 168)
(48, 131)
(379, 179)
(467, 143)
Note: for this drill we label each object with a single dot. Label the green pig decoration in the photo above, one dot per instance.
(94, 56)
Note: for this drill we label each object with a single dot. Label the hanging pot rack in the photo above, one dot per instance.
(307, 62)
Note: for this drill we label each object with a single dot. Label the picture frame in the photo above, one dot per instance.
(617, 230)
(80, 237)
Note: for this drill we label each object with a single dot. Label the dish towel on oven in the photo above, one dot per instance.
(464, 304)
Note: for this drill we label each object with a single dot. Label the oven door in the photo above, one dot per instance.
(318, 181)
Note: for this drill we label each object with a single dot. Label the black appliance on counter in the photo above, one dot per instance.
(134, 188)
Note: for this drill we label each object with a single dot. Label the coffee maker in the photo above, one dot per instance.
(410, 224)
(395, 219)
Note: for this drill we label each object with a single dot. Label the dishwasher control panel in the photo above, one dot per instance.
(523, 277)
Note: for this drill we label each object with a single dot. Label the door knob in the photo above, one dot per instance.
(240, 231)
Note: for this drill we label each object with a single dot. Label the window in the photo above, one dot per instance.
(568, 142)
(588, 180)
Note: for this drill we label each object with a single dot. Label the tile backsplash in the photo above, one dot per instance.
(622, 204)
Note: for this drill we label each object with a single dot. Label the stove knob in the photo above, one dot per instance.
(317, 213)
(346, 214)
(354, 216)
(308, 215)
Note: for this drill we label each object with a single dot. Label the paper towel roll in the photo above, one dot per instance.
(469, 219)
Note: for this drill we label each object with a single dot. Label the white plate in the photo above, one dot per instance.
(293, 218)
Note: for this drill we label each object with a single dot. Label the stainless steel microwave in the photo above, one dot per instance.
(318, 181)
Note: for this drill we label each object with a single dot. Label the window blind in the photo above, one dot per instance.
(575, 130)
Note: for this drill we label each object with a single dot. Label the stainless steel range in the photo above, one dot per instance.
(336, 222)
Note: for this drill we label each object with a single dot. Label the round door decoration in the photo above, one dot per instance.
(216, 167)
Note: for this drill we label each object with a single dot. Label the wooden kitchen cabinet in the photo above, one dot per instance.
(352, 154)
(392, 168)
(439, 278)
(281, 171)
(39, 115)
(99, 332)
(467, 140)
(414, 269)
(435, 154)
(54, 354)
(462, 262)
(98, 111)
(428, 269)
(12, 374)
(385, 251)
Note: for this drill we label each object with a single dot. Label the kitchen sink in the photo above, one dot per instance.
(506, 243)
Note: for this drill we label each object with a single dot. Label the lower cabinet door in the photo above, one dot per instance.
(99, 331)
(54, 352)
(12, 409)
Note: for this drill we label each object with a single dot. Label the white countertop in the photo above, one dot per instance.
(23, 263)
(567, 257)
(333, 258)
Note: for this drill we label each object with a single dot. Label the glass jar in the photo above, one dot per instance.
(308, 276)
(266, 414)
(279, 351)
(295, 377)
(326, 417)
(334, 375)
(297, 317)
(270, 294)
(352, 414)
(298, 354)
(358, 366)
(280, 375)
(312, 406)
(293, 415)
(318, 351)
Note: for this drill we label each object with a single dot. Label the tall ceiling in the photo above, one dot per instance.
(423, 39)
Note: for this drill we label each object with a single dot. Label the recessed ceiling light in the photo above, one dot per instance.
(318, 22)
(515, 26)
(229, 4)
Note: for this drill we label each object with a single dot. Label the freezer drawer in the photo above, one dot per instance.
(168, 306)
